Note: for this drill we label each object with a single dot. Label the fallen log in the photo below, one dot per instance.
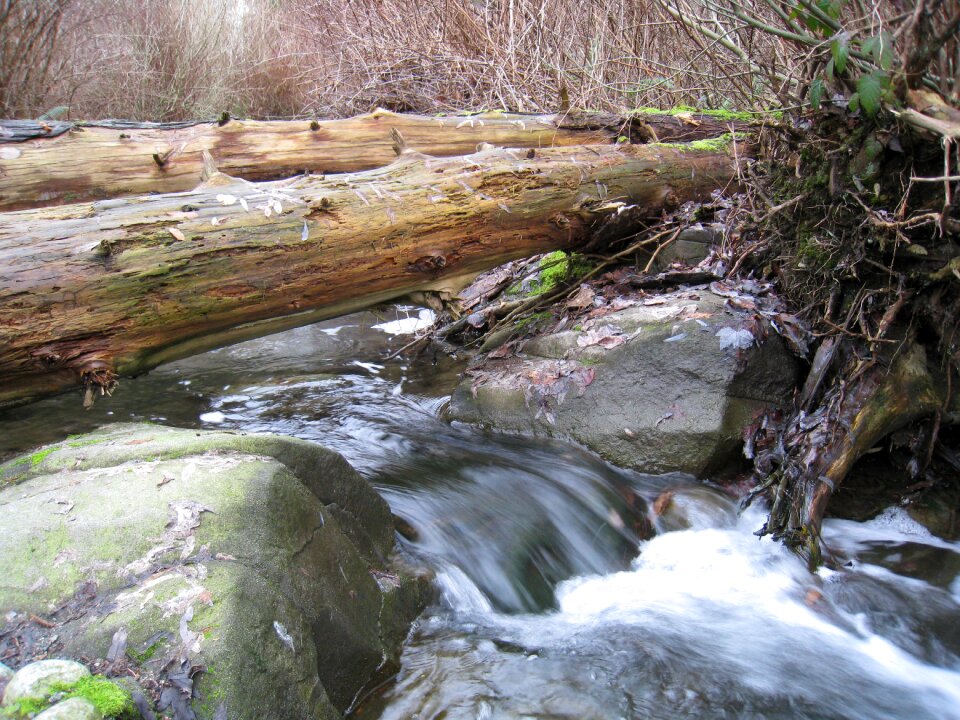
(96, 290)
(53, 163)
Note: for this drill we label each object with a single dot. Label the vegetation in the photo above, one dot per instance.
(111, 700)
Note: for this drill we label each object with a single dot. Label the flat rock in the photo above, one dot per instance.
(660, 387)
(263, 559)
(39, 679)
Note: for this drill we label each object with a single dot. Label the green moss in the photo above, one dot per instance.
(146, 655)
(39, 456)
(83, 443)
(718, 144)
(531, 320)
(23, 708)
(109, 698)
(720, 114)
(555, 268)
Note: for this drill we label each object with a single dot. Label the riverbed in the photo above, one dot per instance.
(555, 601)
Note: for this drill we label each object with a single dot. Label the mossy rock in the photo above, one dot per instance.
(261, 558)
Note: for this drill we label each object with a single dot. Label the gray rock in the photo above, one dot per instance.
(39, 679)
(658, 388)
(693, 506)
(71, 709)
(5, 675)
(691, 246)
(265, 559)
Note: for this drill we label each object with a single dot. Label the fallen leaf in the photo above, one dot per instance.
(606, 336)
(177, 234)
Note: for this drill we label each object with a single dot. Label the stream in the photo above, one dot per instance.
(552, 603)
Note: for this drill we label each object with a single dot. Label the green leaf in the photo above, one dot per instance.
(883, 51)
(840, 51)
(828, 70)
(833, 8)
(853, 104)
(870, 89)
(817, 90)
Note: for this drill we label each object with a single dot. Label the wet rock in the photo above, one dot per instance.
(40, 679)
(71, 709)
(5, 675)
(252, 572)
(937, 512)
(660, 387)
(691, 246)
(693, 506)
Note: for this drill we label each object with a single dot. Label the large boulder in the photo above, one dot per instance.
(251, 575)
(666, 384)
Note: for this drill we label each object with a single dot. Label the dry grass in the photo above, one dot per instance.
(30, 57)
(181, 59)
(178, 59)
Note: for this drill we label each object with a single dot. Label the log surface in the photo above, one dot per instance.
(65, 163)
(119, 286)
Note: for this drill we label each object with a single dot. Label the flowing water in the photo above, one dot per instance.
(553, 605)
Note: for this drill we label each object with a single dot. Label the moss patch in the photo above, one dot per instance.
(720, 143)
(22, 708)
(109, 698)
(555, 268)
(686, 109)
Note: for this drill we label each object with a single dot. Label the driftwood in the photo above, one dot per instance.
(814, 451)
(53, 163)
(96, 290)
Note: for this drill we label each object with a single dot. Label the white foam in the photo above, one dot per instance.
(213, 417)
(408, 325)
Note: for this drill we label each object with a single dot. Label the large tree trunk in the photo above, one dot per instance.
(90, 291)
(64, 163)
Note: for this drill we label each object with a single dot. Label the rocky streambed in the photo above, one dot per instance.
(227, 573)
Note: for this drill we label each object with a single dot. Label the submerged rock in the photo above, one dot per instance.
(252, 571)
(660, 387)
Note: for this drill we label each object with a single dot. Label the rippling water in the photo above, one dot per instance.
(553, 603)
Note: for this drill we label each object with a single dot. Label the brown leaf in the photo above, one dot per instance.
(583, 298)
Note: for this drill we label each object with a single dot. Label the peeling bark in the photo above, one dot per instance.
(64, 163)
(96, 290)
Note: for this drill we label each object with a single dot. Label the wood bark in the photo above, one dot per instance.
(89, 291)
(64, 163)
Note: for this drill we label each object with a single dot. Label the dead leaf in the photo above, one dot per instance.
(688, 119)
(583, 298)
(177, 234)
(663, 502)
(503, 351)
(606, 336)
